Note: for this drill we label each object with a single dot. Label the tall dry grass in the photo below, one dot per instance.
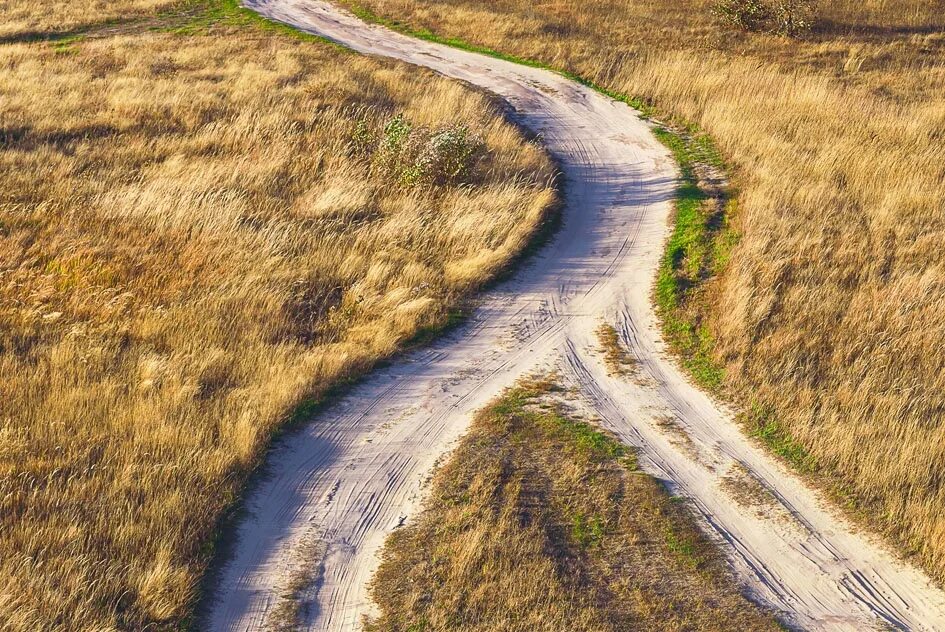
(191, 244)
(829, 314)
(33, 19)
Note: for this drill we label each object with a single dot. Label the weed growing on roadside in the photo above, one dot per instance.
(536, 523)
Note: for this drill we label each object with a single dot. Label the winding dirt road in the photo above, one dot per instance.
(340, 485)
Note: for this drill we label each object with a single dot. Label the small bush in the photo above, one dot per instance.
(748, 15)
(450, 153)
(394, 143)
(785, 17)
(794, 17)
(363, 138)
(418, 156)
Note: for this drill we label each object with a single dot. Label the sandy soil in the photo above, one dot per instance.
(337, 487)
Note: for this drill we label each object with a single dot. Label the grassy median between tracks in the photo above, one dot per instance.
(540, 521)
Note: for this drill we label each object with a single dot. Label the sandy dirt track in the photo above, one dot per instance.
(336, 488)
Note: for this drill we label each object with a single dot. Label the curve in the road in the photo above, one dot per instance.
(339, 486)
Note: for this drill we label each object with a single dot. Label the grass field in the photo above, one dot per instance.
(540, 522)
(826, 317)
(205, 223)
(37, 19)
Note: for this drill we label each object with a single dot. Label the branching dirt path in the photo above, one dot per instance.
(337, 487)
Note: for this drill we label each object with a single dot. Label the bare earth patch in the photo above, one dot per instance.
(746, 490)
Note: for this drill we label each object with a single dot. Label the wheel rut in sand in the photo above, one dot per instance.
(344, 481)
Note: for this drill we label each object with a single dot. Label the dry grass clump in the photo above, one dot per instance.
(539, 522)
(619, 360)
(828, 316)
(191, 244)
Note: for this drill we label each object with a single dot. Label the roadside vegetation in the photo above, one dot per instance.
(696, 252)
(204, 224)
(824, 318)
(539, 521)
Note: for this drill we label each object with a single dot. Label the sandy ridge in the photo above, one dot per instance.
(342, 483)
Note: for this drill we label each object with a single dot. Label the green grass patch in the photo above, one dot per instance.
(585, 437)
(683, 548)
(763, 426)
(67, 45)
(698, 248)
(520, 404)
(588, 531)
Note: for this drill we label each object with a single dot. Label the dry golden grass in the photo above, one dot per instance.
(619, 360)
(190, 246)
(30, 19)
(828, 316)
(539, 522)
